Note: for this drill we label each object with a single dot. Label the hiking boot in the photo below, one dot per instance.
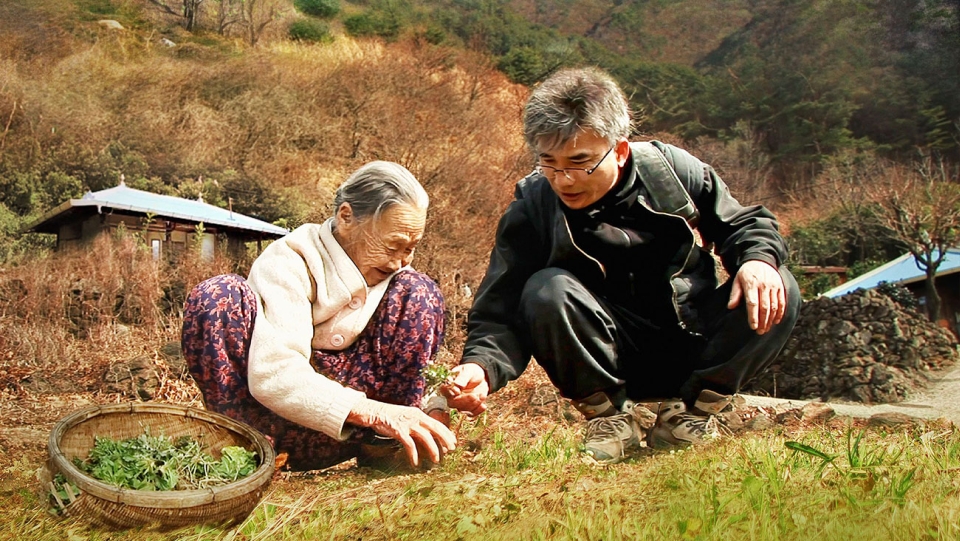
(676, 425)
(610, 432)
(609, 438)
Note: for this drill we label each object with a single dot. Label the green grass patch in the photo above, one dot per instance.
(819, 484)
(126, 12)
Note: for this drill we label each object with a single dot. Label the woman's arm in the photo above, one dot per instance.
(279, 372)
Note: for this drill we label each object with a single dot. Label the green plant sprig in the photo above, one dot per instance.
(436, 375)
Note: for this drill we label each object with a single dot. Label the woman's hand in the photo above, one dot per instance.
(406, 424)
(469, 390)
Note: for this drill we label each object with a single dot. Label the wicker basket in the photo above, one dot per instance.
(113, 507)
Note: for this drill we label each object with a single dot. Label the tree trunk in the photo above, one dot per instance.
(933, 298)
(190, 11)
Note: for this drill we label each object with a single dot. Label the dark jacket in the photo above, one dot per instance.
(621, 249)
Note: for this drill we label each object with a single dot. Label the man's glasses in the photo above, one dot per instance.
(572, 172)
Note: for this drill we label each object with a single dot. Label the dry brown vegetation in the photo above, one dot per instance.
(80, 101)
(291, 119)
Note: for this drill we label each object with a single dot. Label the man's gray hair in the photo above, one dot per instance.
(574, 100)
(377, 186)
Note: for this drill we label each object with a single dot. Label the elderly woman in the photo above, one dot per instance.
(330, 331)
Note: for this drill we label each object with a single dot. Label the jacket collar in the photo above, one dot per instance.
(619, 200)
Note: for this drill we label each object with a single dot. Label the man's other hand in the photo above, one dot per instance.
(761, 285)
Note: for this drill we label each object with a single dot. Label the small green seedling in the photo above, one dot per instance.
(436, 375)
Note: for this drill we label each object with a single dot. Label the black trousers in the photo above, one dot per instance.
(588, 344)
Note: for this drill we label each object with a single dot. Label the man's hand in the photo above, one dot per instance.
(762, 287)
(406, 424)
(469, 389)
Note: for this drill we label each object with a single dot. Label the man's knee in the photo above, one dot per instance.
(793, 296)
(545, 293)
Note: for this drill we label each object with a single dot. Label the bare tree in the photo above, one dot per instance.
(227, 13)
(848, 183)
(189, 10)
(921, 209)
(257, 15)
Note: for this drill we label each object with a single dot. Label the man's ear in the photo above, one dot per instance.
(622, 151)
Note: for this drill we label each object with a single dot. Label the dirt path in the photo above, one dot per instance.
(940, 399)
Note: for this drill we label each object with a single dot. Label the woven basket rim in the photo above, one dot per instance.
(168, 499)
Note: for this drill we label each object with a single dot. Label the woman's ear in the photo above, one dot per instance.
(345, 216)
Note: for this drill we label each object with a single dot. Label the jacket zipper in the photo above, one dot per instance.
(693, 245)
(566, 225)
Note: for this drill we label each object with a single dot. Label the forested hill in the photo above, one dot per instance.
(259, 102)
(807, 78)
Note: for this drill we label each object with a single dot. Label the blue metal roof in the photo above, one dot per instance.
(902, 270)
(123, 197)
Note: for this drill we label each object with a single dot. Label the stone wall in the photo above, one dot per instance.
(863, 347)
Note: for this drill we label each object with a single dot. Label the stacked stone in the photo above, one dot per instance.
(862, 347)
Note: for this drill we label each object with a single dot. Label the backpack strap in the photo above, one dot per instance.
(666, 191)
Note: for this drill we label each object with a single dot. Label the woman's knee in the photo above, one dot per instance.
(212, 291)
(219, 312)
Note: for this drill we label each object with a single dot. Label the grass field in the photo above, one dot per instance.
(519, 474)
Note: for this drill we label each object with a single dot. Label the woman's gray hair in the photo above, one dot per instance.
(574, 100)
(377, 186)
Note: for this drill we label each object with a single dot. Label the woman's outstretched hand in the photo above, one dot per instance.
(406, 424)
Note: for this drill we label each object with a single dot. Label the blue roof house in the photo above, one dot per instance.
(906, 272)
(174, 221)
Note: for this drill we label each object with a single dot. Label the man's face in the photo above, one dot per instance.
(585, 152)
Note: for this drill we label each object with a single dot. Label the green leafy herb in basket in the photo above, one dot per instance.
(160, 463)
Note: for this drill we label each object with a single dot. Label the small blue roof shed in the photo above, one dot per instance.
(174, 219)
(903, 271)
(123, 198)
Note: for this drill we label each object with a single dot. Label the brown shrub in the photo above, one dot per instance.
(296, 118)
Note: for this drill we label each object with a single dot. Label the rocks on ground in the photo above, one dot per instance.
(862, 347)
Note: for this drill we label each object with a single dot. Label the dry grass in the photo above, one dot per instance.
(293, 118)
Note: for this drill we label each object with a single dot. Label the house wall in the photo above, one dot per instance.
(948, 287)
(166, 238)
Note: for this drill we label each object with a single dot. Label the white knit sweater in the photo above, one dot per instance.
(310, 295)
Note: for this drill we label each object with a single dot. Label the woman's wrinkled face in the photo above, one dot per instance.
(380, 247)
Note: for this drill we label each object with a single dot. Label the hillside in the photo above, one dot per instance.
(681, 32)
(272, 129)
(774, 94)
(809, 79)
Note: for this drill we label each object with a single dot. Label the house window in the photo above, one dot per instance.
(207, 246)
(155, 248)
